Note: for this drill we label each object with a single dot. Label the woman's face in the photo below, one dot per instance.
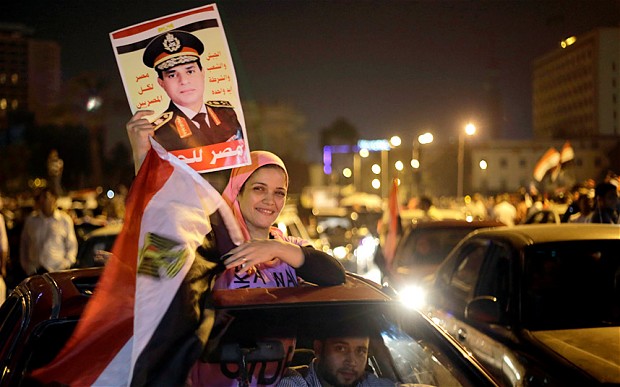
(262, 198)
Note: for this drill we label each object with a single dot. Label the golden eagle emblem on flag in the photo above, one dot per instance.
(161, 257)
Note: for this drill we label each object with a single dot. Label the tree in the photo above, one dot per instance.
(340, 132)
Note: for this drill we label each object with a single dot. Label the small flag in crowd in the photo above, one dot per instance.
(144, 324)
(548, 161)
(391, 239)
(553, 161)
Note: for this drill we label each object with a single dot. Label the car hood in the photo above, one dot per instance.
(594, 350)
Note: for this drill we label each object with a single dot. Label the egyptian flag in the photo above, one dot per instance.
(550, 160)
(567, 153)
(393, 233)
(146, 323)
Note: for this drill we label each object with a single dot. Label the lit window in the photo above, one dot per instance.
(3, 104)
(14, 79)
(14, 104)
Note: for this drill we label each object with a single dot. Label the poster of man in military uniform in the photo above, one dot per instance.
(180, 67)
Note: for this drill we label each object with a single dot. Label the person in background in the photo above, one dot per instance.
(605, 204)
(55, 166)
(583, 209)
(477, 207)
(4, 255)
(504, 211)
(48, 242)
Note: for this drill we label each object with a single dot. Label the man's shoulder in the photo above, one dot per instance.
(162, 119)
(373, 380)
(292, 378)
(219, 104)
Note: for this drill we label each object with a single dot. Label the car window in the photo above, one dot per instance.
(494, 278)
(428, 246)
(468, 268)
(572, 284)
(406, 353)
(93, 251)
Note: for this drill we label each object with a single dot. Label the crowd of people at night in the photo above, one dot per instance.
(26, 231)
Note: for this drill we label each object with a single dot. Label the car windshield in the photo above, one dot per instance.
(572, 285)
(428, 246)
(407, 354)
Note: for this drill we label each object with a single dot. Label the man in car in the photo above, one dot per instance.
(340, 361)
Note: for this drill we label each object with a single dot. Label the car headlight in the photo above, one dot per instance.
(413, 297)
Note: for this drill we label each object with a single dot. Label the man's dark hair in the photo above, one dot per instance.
(603, 189)
(160, 73)
(42, 191)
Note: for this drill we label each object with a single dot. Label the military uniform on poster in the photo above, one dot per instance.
(174, 130)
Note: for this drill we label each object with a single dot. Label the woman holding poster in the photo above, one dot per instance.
(257, 193)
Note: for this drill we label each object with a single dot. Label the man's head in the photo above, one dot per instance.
(341, 361)
(175, 55)
(46, 201)
(606, 196)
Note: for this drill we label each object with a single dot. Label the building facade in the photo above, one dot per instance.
(575, 87)
(30, 74)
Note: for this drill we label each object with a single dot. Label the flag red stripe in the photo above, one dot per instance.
(107, 322)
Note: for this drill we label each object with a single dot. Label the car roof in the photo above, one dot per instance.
(355, 289)
(528, 234)
(77, 283)
(456, 223)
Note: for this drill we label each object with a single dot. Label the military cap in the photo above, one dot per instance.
(171, 49)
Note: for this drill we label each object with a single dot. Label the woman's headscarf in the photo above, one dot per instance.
(238, 177)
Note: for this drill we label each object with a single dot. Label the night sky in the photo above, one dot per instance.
(388, 67)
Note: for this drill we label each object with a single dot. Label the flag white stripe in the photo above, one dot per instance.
(179, 211)
(117, 369)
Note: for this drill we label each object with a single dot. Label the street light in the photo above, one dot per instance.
(470, 130)
(423, 139)
(394, 142)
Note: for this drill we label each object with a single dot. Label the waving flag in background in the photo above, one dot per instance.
(567, 153)
(145, 323)
(548, 161)
(553, 161)
(393, 232)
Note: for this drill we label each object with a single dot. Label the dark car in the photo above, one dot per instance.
(274, 326)
(345, 234)
(97, 245)
(537, 305)
(424, 246)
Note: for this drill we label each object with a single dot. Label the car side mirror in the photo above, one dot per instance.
(484, 309)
